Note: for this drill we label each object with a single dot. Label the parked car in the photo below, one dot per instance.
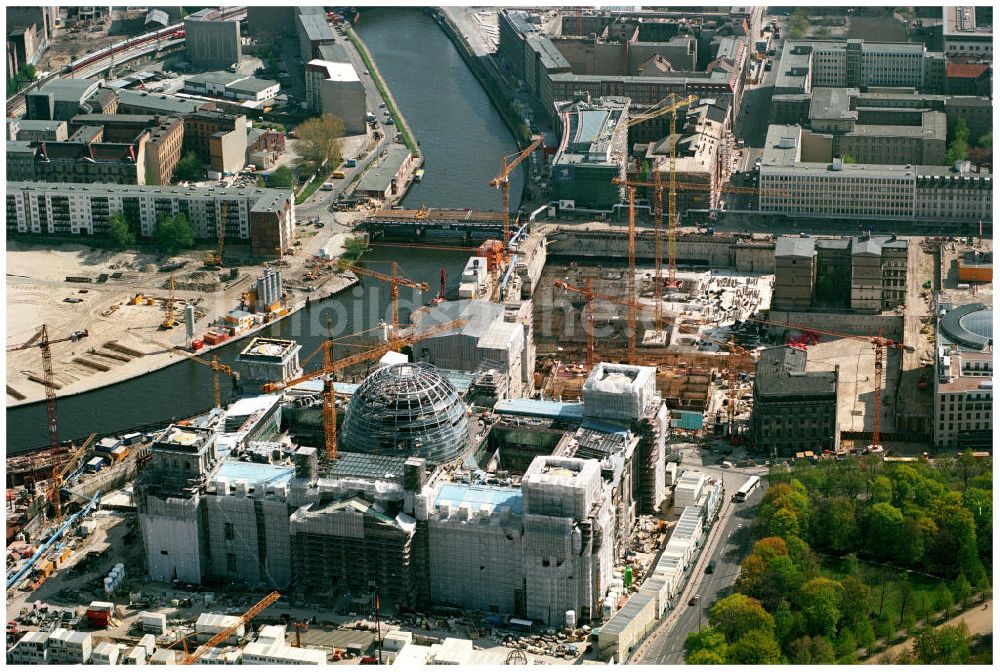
(694, 600)
(710, 568)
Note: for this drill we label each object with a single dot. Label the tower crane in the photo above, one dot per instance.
(41, 340)
(394, 280)
(59, 473)
(224, 634)
(879, 344)
(216, 257)
(331, 366)
(216, 370)
(589, 295)
(502, 180)
(168, 320)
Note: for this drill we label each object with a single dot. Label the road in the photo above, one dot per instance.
(728, 542)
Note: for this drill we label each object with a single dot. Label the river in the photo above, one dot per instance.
(463, 139)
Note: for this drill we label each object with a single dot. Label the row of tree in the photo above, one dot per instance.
(962, 148)
(171, 235)
(796, 604)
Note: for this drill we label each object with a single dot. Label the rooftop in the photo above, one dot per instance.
(381, 176)
(477, 496)
(254, 473)
(795, 246)
(541, 408)
(335, 71)
(781, 371)
(315, 27)
(969, 326)
(158, 101)
(264, 199)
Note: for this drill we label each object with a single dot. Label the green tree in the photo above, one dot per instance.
(803, 557)
(955, 548)
(820, 599)
(319, 140)
(963, 590)
(755, 565)
(846, 650)
(118, 231)
(706, 640)
(784, 523)
(189, 167)
(173, 234)
(784, 623)
(282, 178)
(883, 526)
(756, 647)
(855, 601)
(958, 150)
(834, 527)
(781, 578)
(947, 645)
(881, 490)
(737, 614)
(986, 140)
(944, 600)
(704, 657)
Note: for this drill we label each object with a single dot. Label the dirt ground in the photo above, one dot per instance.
(979, 620)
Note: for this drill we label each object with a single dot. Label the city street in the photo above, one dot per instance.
(727, 543)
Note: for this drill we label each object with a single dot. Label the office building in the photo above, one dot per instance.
(264, 218)
(212, 42)
(313, 31)
(334, 88)
(964, 36)
(863, 274)
(593, 150)
(232, 87)
(800, 176)
(793, 410)
(963, 380)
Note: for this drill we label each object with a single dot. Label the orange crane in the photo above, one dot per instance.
(223, 635)
(299, 627)
(216, 370)
(502, 180)
(41, 340)
(394, 280)
(589, 295)
(331, 366)
(879, 344)
(59, 474)
(215, 259)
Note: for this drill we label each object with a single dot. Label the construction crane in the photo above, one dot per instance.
(394, 280)
(59, 474)
(215, 259)
(331, 366)
(41, 340)
(879, 344)
(502, 180)
(299, 627)
(224, 634)
(216, 370)
(589, 296)
(168, 320)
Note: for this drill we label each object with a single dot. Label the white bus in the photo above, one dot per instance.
(747, 489)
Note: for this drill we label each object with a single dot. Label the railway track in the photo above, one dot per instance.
(118, 53)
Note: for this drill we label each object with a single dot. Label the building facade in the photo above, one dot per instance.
(210, 41)
(593, 150)
(963, 387)
(335, 88)
(264, 218)
(794, 410)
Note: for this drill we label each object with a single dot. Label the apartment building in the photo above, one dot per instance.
(36, 130)
(163, 141)
(217, 137)
(79, 161)
(800, 176)
(262, 218)
(963, 381)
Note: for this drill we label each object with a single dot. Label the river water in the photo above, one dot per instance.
(463, 139)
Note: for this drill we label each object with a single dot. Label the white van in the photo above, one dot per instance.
(327, 186)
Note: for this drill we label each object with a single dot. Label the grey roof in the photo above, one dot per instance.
(970, 326)
(380, 177)
(781, 371)
(19, 147)
(252, 85)
(789, 246)
(157, 16)
(70, 90)
(362, 465)
(334, 53)
(159, 102)
(38, 124)
(315, 26)
(866, 246)
(832, 103)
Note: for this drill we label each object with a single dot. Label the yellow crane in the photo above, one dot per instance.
(216, 370)
(736, 353)
(59, 473)
(394, 280)
(169, 321)
(330, 366)
(502, 181)
(215, 259)
(224, 634)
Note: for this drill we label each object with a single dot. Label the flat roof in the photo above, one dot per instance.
(315, 27)
(255, 472)
(380, 177)
(456, 494)
(158, 101)
(37, 124)
(795, 246)
(541, 408)
(337, 72)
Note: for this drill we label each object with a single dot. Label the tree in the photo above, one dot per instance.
(883, 525)
(174, 233)
(755, 564)
(849, 158)
(855, 601)
(820, 600)
(803, 557)
(707, 640)
(189, 168)
(118, 231)
(944, 600)
(985, 140)
(835, 524)
(881, 489)
(737, 614)
(319, 140)
(784, 523)
(756, 647)
(781, 578)
(704, 657)
(947, 645)
(29, 72)
(963, 590)
(282, 178)
(958, 150)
